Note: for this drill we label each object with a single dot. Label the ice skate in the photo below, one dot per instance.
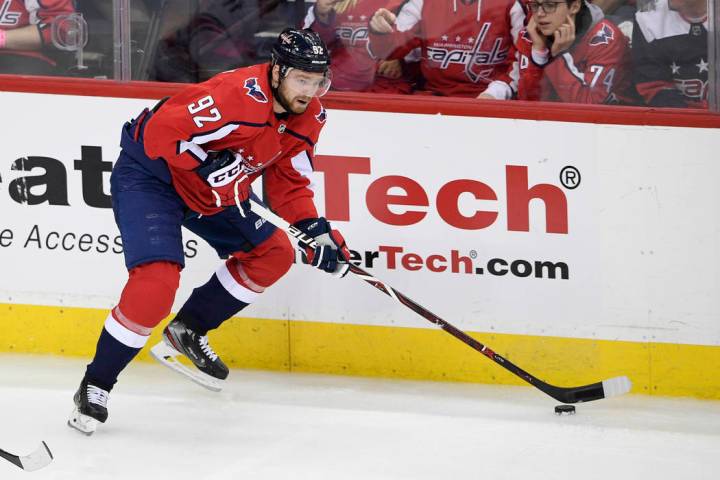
(178, 339)
(90, 408)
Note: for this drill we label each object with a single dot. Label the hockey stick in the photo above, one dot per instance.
(586, 393)
(38, 459)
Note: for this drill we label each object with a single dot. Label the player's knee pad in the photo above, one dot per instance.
(268, 262)
(149, 293)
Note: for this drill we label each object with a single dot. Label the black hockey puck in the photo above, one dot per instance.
(565, 409)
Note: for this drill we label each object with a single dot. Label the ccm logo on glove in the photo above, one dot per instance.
(224, 168)
(221, 168)
(331, 254)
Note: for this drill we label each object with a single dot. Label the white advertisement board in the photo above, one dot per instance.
(496, 225)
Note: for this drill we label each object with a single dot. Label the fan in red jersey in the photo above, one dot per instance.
(569, 53)
(343, 25)
(189, 162)
(26, 35)
(467, 45)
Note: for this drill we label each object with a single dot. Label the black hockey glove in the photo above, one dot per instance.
(332, 254)
(224, 168)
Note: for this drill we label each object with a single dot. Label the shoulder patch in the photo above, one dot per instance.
(602, 36)
(254, 91)
(322, 116)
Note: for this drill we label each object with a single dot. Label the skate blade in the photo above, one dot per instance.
(168, 356)
(82, 423)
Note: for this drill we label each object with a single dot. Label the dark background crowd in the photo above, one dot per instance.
(632, 52)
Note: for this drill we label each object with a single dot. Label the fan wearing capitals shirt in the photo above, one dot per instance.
(190, 162)
(569, 53)
(467, 45)
(670, 51)
(343, 25)
(26, 34)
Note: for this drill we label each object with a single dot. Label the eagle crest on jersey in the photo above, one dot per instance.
(254, 91)
(322, 116)
(602, 37)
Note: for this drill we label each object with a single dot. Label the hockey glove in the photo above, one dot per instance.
(224, 168)
(331, 254)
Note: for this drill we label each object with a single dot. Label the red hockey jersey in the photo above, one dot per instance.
(467, 45)
(234, 110)
(594, 70)
(21, 13)
(346, 35)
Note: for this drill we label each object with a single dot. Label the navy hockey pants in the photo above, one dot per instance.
(149, 213)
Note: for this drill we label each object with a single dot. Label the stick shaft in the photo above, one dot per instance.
(14, 459)
(583, 393)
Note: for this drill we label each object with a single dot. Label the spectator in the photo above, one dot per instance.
(568, 52)
(218, 37)
(670, 54)
(343, 25)
(26, 35)
(467, 45)
(620, 12)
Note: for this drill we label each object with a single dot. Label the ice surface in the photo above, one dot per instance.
(295, 426)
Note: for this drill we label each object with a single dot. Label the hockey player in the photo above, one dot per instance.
(569, 53)
(467, 45)
(190, 161)
(670, 51)
(26, 34)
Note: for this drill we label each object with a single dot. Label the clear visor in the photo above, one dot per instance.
(308, 83)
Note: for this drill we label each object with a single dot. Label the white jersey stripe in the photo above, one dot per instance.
(662, 22)
(195, 149)
(310, 17)
(301, 163)
(570, 63)
(517, 20)
(33, 6)
(221, 132)
(194, 146)
(409, 15)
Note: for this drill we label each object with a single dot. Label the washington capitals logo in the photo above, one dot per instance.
(254, 90)
(322, 116)
(602, 37)
(7, 16)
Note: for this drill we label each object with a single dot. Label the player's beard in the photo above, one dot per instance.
(296, 105)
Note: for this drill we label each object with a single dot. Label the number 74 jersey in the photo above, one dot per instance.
(595, 69)
(234, 110)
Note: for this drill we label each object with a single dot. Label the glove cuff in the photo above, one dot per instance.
(313, 227)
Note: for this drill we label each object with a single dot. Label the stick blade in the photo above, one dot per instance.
(615, 386)
(611, 387)
(38, 459)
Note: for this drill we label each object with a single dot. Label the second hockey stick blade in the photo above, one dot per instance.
(38, 459)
